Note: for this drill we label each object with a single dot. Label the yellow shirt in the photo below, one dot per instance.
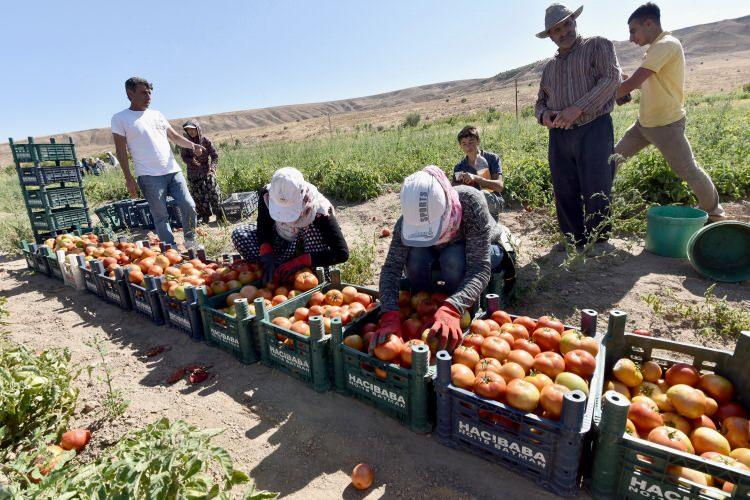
(663, 93)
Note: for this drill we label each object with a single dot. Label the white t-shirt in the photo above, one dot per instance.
(146, 133)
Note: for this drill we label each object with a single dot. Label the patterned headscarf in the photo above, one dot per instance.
(451, 220)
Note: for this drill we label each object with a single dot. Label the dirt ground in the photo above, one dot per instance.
(292, 439)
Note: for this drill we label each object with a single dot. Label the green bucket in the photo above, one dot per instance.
(670, 228)
(721, 251)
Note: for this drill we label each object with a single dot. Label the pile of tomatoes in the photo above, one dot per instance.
(527, 364)
(349, 304)
(687, 411)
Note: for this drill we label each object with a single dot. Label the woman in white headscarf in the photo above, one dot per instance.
(296, 228)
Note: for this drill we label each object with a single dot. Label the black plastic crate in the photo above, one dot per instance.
(239, 206)
(184, 315)
(145, 299)
(60, 218)
(55, 197)
(140, 215)
(90, 273)
(110, 217)
(41, 262)
(115, 289)
(549, 452)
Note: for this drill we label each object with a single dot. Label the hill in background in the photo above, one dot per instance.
(718, 59)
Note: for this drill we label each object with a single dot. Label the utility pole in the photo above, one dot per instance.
(330, 130)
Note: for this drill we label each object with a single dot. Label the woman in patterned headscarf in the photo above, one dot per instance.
(296, 228)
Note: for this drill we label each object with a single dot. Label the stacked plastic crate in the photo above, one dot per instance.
(52, 187)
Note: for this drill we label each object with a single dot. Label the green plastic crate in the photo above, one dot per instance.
(60, 218)
(629, 467)
(237, 334)
(28, 249)
(305, 358)
(53, 265)
(54, 197)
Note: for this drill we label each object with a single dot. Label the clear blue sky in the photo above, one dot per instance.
(66, 71)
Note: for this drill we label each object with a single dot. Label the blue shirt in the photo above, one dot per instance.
(493, 161)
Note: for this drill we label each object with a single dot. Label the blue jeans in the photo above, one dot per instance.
(155, 189)
(452, 259)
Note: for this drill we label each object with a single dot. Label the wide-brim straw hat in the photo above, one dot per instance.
(555, 14)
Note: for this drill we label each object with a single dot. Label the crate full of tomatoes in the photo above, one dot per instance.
(294, 341)
(397, 377)
(674, 420)
(69, 243)
(519, 392)
(229, 313)
(178, 288)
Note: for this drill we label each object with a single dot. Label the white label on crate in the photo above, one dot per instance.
(112, 295)
(379, 392)
(176, 318)
(223, 337)
(288, 359)
(143, 306)
(512, 448)
(644, 489)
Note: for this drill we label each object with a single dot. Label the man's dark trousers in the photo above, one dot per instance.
(582, 177)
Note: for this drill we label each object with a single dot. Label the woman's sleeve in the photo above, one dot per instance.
(331, 231)
(393, 269)
(265, 222)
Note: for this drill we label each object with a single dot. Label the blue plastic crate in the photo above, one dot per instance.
(115, 289)
(145, 299)
(90, 273)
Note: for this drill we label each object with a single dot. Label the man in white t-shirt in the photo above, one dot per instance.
(146, 134)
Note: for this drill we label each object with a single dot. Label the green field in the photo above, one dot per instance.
(359, 165)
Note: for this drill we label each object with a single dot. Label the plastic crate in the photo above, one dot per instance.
(236, 334)
(53, 264)
(69, 267)
(28, 250)
(60, 218)
(52, 151)
(239, 206)
(144, 299)
(89, 275)
(547, 451)
(629, 467)
(55, 197)
(41, 262)
(175, 214)
(44, 175)
(185, 315)
(140, 215)
(124, 211)
(403, 393)
(109, 216)
(303, 357)
(115, 289)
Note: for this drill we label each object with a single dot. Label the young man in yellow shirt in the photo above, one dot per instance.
(661, 117)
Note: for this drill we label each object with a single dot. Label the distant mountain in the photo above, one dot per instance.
(723, 45)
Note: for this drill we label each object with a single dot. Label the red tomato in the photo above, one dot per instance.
(390, 349)
(467, 356)
(522, 395)
(526, 345)
(490, 385)
(462, 376)
(580, 362)
(551, 399)
(550, 322)
(550, 363)
(526, 322)
(671, 438)
(547, 339)
(474, 340)
(488, 365)
(495, 347)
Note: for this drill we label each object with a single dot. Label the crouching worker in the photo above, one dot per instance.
(447, 225)
(297, 228)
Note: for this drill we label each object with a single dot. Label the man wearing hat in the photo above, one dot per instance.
(297, 228)
(576, 97)
(201, 172)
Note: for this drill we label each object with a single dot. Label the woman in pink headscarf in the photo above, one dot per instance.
(441, 224)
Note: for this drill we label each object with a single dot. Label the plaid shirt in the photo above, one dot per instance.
(587, 76)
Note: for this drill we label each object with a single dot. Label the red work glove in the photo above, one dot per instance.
(446, 328)
(285, 272)
(390, 324)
